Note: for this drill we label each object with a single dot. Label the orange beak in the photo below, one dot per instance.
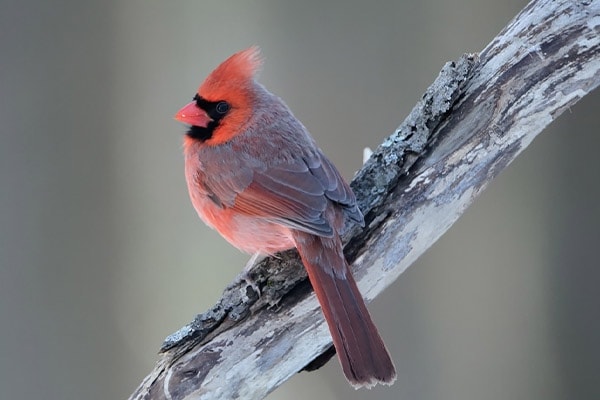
(193, 115)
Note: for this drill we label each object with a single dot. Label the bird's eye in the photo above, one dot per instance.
(222, 107)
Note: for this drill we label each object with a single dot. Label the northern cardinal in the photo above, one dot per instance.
(256, 175)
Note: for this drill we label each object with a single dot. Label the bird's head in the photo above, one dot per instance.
(223, 103)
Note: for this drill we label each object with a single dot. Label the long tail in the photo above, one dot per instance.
(361, 351)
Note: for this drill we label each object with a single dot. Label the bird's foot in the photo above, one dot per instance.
(245, 279)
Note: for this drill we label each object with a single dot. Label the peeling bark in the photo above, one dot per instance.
(478, 115)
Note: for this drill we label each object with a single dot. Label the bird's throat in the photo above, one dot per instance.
(202, 133)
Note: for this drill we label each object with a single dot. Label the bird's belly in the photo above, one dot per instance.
(250, 234)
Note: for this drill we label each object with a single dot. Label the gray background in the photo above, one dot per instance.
(102, 255)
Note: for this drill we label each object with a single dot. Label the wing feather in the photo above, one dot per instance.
(294, 193)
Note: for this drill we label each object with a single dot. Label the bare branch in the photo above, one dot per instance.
(479, 114)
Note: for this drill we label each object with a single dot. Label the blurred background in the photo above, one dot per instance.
(102, 255)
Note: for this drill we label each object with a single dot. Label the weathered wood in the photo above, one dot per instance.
(479, 114)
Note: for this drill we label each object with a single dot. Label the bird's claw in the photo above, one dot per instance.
(245, 276)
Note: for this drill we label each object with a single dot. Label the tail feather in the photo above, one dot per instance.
(361, 351)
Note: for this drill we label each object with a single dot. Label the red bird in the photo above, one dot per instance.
(256, 175)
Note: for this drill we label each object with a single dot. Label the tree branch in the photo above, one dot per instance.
(478, 115)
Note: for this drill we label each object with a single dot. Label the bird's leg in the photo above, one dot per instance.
(255, 259)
